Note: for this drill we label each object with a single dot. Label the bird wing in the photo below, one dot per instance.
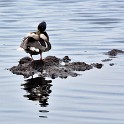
(44, 39)
(24, 43)
(36, 44)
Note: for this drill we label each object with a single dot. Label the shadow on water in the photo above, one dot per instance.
(38, 89)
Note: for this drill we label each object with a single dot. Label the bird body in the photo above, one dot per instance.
(33, 35)
(37, 42)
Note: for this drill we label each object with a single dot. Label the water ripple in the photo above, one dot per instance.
(82, 29)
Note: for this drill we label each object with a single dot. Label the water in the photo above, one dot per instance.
(82, 29)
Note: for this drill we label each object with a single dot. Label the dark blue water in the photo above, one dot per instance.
(82, 29)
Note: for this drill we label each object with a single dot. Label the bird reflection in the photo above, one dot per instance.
(38, 89)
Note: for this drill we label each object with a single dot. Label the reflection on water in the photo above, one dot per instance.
(38, 89)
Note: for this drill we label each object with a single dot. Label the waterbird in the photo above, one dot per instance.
(37, 42)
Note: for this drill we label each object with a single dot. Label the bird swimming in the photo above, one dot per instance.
(37, 42)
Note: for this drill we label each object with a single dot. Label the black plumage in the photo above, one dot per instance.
(37, 42)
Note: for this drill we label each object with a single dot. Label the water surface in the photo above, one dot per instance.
(82, 29)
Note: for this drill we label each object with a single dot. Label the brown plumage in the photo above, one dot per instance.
(37, 42)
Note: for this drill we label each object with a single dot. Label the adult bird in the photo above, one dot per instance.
(37, 42)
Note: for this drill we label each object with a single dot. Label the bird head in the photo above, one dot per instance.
(42, 27)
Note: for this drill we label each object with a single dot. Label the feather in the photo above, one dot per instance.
(20, 49)
(34, 49)
(42, 36)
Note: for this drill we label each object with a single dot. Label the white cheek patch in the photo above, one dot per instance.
(43, 37)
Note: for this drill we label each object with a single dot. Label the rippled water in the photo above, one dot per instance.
(82, 29)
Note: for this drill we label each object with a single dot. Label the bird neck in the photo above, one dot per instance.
(39, 32)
